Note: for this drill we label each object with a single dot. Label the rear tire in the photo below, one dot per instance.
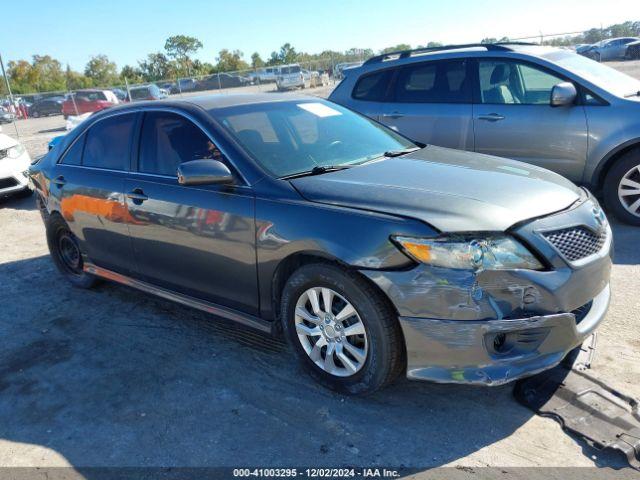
(620, 186)
(66, 253)
(366, 345)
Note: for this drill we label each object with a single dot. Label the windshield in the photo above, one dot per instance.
(600, 75)
(292, 137)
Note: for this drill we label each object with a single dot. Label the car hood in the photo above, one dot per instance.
(451, 190)
(6, 141)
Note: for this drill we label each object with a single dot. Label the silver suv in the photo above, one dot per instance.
(545, 106)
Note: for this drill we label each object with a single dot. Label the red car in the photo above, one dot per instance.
(84, 101)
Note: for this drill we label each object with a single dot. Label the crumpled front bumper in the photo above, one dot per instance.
(450, 351)
(494, 326)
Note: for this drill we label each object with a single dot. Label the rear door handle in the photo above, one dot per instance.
(137, 196)
(393, 115)
(491, 117)
(59, 181)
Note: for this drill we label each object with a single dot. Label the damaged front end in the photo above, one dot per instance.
(492, 326)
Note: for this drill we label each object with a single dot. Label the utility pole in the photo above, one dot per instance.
(6, 82)
(126, 83)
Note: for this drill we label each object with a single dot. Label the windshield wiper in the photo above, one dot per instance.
(637, 94)
(397, 153)
(318, 170)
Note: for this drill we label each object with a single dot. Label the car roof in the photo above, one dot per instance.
(476, 48)
(221, 100)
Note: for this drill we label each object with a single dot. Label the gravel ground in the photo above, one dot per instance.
(114, 377)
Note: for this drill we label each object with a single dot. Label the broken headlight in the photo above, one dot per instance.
(492, 252)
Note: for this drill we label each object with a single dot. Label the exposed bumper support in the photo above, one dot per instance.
(475, 352)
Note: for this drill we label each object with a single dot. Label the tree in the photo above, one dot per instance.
(274, 59)
(180, 48)
(256, 60)
(101, 71)
(397, 48)
(230, 61)
(75, 80)
(156, 67)
(202, 68)
(44, 73)
(49, 73)
(287, 54)
(21, 76)
(132, 74)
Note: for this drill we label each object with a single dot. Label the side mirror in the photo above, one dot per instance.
(563, 94)
(204, 172)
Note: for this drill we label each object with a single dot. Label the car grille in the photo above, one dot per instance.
(4, 153)
(8, 183)
(576, 243)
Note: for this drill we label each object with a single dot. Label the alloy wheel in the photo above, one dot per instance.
(331, 331)
(629, 191)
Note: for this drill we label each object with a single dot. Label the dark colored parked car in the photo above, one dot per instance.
(373, 254)
(47, 106)
(220, 81)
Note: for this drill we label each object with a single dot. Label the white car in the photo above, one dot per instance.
(292, 76)
(14, 164)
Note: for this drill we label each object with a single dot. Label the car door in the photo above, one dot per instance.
(49, 107)
(196, 240)
(621, 50)
(513, 118)
(430, 102)
(89, 181)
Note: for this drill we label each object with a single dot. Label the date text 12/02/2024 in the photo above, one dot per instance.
(316, 472)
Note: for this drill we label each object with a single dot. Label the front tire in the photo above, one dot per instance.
(66, 253)
(342, 330)
(622, 188)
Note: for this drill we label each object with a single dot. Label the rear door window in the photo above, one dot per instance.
(433, 82)
(108, 143)
(169, 139)
(73, 155)
(373, 87)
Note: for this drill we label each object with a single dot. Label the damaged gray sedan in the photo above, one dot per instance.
(373, 254)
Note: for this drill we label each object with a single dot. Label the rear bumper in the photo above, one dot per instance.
(449, 351)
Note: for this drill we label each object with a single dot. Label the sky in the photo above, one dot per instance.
(74, 30)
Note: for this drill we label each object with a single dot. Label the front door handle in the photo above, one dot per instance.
(393, 115)
(137, 196)
(59, 181)
(491, 117)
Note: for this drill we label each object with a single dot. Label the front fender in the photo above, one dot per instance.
(352, 237)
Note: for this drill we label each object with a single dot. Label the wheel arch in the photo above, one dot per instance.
(291, 263)
(598, 176)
